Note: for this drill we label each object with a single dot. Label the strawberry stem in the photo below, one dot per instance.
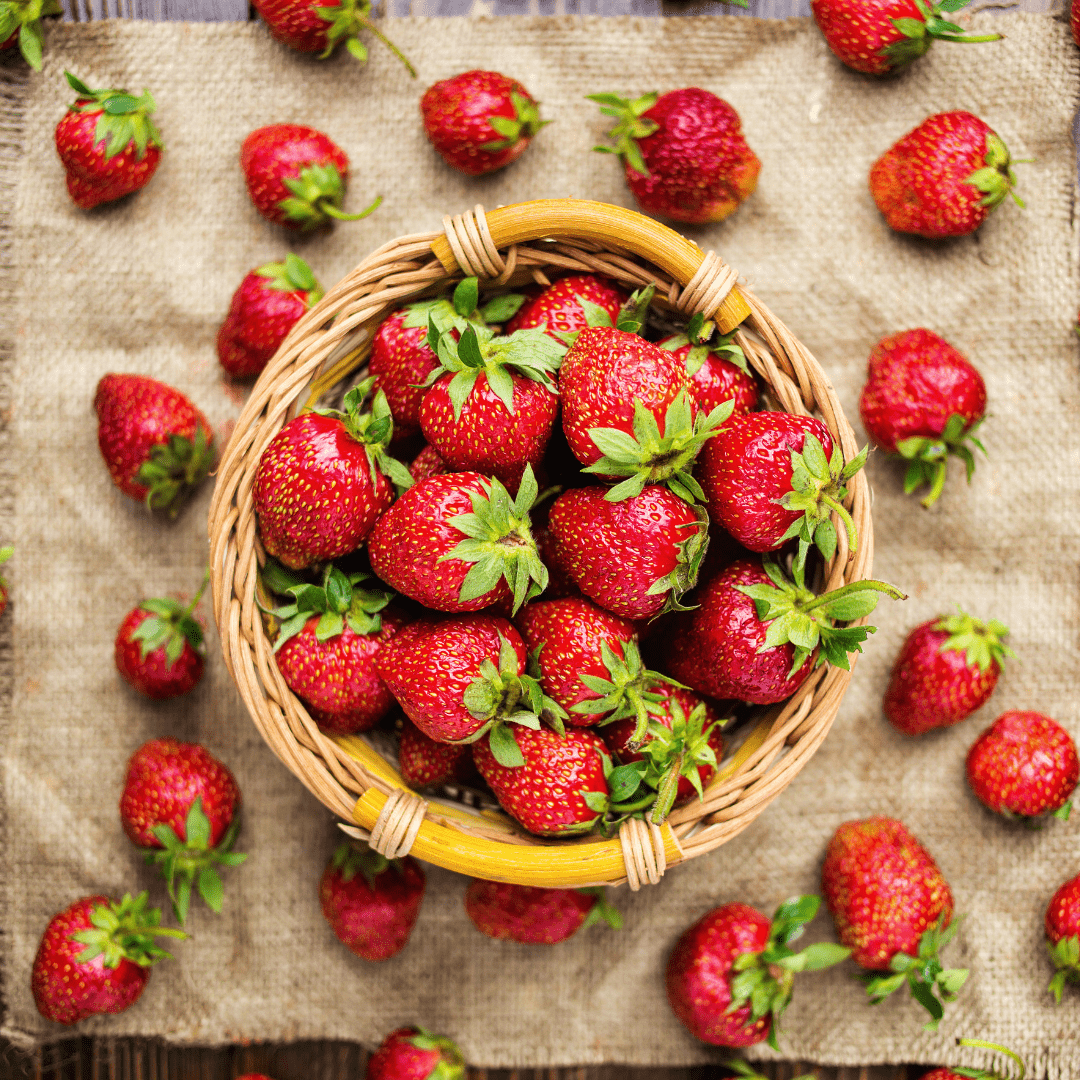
(890, 591)
(369, 25)
(332, 211)
(982, 1044)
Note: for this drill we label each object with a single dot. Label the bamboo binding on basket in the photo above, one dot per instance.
(508, 246)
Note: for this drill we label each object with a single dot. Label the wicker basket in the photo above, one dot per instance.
(330, 345)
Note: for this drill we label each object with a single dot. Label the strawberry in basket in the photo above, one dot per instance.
(1062, 924)
(535, 916)
(424, 762)
(411, 1053)
(569, 305)
(716, 365)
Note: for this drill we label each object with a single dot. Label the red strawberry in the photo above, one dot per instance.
(423, 762)
(879, 36)
(560, 789)
(315, 26)
(1024, 765)
(636, 557)
(5, 554)
(893, 907)
(412, 1053)
(946, 669)
(559, 308)
(159, 647)
(923, 400)
(327, 646)
(1074, 20)
(730, 975)
(269, 302)
(324, 480)
(426, 464)
(296, 176)
(944, 177)
(182, 804)
(107, 143)
(480, 121)
(684, 153)
(458, 543)
(95, 957)
(370, 902)
(1063, 935)
(535, 916)
(716, 366)
(157, 445)
(20, 24)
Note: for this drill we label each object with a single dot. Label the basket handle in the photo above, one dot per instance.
(581, 219)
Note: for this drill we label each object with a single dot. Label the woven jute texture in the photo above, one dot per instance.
(142, 287)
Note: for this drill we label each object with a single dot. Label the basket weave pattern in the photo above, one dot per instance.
(327, 349)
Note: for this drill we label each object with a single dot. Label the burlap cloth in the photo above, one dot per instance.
(142, 286)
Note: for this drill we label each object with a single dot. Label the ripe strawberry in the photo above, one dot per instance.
(740, 642)
(458, 543)
(558, 309)
(324, 480)
(1063, 935)
(535, 916)
(296, 176)
(716, 365)
(636, 557)
(730, 976)
(879, 36)
(269, 302)
(946, 669)
(426, 464)
(370, 902)
(20, 24)
(560, 789)
(5, 554)
(480, 121)
(107, 143)
(683, 152)
(423, 762)
(159, 647)
(157, 445)
(182, 804)
(923, 400)
(411, 1053)
(327, 645)
(944, 177)
(1024, 765)
(1074, 20)
(314, 26)
(892, 905)
(95, 957)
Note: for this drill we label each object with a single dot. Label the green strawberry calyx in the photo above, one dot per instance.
(704, 341)
(123, 120)
(996, 180)
(796, 615)
(932, 985)
(690, 553)
(603, 911)
(347, 18)
(651, 457)
(350, 859)
(169, 624)
(631, 126)
(292, 275)
(1066, 958)
(451, 1063)
(929, 456)
(986, 1074)
(980, 642)
(462, 308)
(23, 17)
(499, 542)
(920, 34)
(5, 554)
(124, 930)
(317, 193)
(175, 468)
(764, 979)
(524, 124)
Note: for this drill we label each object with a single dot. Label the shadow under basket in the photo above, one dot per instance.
(327, 350)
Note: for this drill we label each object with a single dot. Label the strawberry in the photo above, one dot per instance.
(946, 669)
(1024, 765)
(327, 644)
(315, 26)
(157, 445)
(1074, 21)
(559, 308)
(411, 1053)
(923, 400)
(730, 975)
(20, 24)
(5, 554)
(423, 762)
(95, 957)
(1063, 935)
(683, 152)
(636, 557)
(370, 902)
(427, 463)
(716, 365)
(107, 143)
(561, 787)
(159, 647)
(740, 642)
(535, 916)
(480, 121)
(944, 177)
(269, 302)
(880, 36)
(324, 480)
(458, 543)
(182, 805)
(296, 176)
(893, 907)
